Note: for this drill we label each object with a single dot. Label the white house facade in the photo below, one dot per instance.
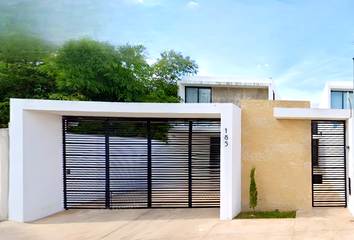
(73, 154)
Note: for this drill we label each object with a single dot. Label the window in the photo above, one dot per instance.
(340, 99)
(198, 95)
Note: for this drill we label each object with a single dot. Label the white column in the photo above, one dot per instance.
(230, 163)
(36, 179)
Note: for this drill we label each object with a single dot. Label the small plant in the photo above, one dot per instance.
(253, 191)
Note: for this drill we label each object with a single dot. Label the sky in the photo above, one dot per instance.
(300, 44)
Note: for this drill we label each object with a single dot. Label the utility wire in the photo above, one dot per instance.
(319, 66)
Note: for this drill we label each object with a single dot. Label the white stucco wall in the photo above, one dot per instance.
(42, 162)
(36, 180)
(236, 163)
(350, 163)
(230, 165)
(334, 86)
(4, 172)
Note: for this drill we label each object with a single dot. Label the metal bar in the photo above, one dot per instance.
(312, 165)
(149, 162)
(190, 163)
(345, 165)
(106, 126)
(64, 162)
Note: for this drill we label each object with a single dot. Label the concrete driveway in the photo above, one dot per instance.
(318, 223)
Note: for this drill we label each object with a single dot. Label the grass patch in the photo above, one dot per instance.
(252, 215)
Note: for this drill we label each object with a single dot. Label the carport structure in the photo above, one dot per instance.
(36, 183)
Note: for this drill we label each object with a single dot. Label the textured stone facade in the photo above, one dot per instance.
(235, 95)
(281, 152)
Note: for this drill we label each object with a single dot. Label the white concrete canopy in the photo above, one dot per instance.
(311, 113)
(36, 171)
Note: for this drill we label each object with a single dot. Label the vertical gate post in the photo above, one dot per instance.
(64, 162)
(149, 161)
(345, 164)
(190, 163)
(106, 126)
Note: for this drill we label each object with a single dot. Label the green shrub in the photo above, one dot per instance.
(253, 191)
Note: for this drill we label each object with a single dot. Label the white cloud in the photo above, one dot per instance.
(192, 5)
(259, 66)
(203, 72)
(266, 65)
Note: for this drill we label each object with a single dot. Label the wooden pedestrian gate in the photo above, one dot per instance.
(328, 164)
(141, 163)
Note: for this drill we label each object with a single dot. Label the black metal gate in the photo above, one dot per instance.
(328, 164)
(141, 163)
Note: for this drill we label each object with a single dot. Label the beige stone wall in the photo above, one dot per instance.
(235, 95)
(281, 152)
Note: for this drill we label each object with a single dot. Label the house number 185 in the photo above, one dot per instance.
(226, 138)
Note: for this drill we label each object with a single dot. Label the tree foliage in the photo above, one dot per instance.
(172, 66)
(166, 72)
(20, 77)
(99, 71)
(253, 190)
(86, 69)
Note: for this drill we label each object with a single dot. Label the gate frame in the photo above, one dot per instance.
(36, 183)
(345, 162)
(106, 122)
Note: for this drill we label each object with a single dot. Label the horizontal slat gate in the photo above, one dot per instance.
(328, 164)
(138, 163)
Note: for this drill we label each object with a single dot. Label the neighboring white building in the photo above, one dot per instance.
(195, 89)
(337, 95)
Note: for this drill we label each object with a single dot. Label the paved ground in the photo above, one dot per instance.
(318, 223)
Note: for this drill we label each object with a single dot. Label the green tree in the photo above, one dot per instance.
(253, 191)
(172, 66)
(100, 71)
(85, 70)
(167, 71)
(20, 77)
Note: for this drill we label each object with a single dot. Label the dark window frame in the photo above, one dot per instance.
(185, 93)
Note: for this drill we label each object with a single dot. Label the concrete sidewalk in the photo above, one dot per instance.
(317, 223)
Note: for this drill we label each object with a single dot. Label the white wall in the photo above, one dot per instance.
(236, 162)
(4, 173)
(230, 165)
(325, 98)
(350, 163)
(335, 86)
(37, 189)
